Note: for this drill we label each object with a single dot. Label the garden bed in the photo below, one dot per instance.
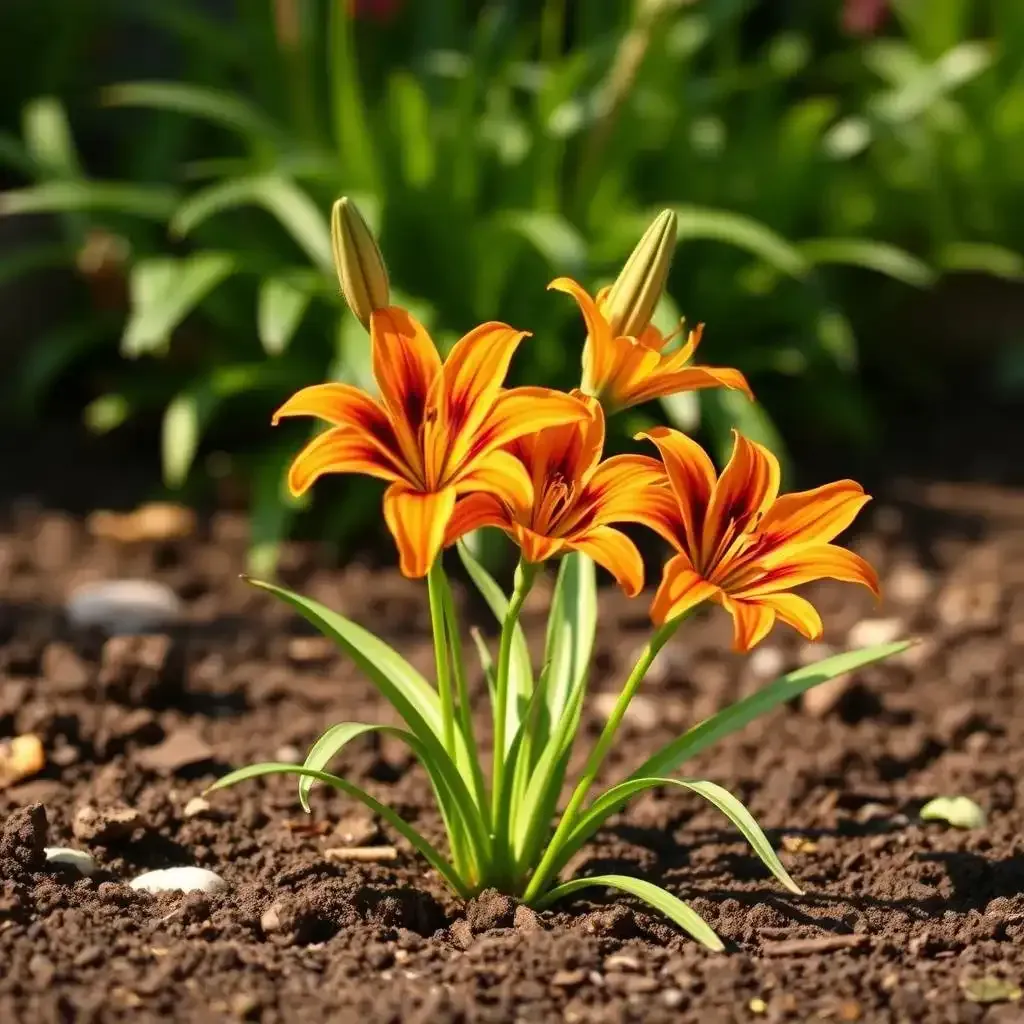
(901, 920)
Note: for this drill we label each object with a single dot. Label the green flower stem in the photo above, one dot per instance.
(526, 573)
(435, 589)
(540, 879)
(465, 708)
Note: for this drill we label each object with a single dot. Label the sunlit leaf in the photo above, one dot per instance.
(282, 305)
(148, 201)
(958, 811)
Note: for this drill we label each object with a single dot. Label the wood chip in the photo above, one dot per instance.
(808, 947)
(364, 854)
(20, 757)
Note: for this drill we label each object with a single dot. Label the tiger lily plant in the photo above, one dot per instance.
(459, 451)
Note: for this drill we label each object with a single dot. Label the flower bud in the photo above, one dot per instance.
(631, 302)
(360, 266)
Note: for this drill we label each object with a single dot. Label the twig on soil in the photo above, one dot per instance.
(807, 947)
(362, 853)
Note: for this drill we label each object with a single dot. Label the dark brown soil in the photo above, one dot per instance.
(900, 921)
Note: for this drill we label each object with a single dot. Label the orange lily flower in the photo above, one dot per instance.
(437, 431)
(575, 499)
(743, 546)
(624, 371)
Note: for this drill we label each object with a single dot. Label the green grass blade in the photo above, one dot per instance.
(719, 725)
(146, 201)
(436, 860)
(615, 798)
(281, 306)
(671, 906)
(870, 255)
(399, 683)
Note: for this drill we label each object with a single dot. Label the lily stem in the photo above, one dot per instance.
(526, 573)
(540, 879)
(436, 585)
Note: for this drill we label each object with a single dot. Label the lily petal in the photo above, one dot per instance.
(795, 611)
(341, 405)
(812, 516)
(692, 475)
(618, 491)
(417, 520)
(747, 486)
(752, 622)
(535, 546)
(691, 378)
(680, 590)
(811, 562)
(597, 363)
(473, 512)
(521, 411)
(340, 450)
(501, 474)
(615, 552)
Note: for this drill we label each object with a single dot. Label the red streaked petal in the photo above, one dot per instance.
(597, 347)
(752, 622)
(813, 516)
(692, 378)
(794, 566)
(340, 450)
(341, 405)
(692, 475)
(680, 590)
(616, 553)
(535, 546)
(473, 512)
(617, 493)
(418, 521)
(747, 486)
(501, 474)
(521, 411)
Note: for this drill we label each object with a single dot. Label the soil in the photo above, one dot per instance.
(902, 921)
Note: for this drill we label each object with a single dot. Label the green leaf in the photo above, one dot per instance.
(280, 196)
(147, 201)
(282, 305)
(225, 109)
(979, 257)
(671, 906)
(769, 697)
(410, 114)
(164, 291)
(271, 510)
(557, 242)
(958, 811)
(520, 671)
(611, 801)
(706, 223)
(878, 256)
(436, 860)
(400, 684)
(48, 138)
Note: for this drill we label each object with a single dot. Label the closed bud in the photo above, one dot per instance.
(360, 266)
(631, 301)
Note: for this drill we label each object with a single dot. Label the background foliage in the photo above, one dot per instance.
(827, 160)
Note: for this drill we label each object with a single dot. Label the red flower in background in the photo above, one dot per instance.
(864, 17)
(381, 11)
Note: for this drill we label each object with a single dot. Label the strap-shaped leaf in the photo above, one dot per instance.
(436, 860)
(712, 729)
(400, 684)
(614, 799)
(671, 906)
(520, 672)
(452, 793)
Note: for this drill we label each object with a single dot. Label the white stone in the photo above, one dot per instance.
(767, 662)
(85, 862)
(123, 606)
(184, 879)
(869, 632)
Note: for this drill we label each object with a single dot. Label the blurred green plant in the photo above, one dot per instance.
(489, 156)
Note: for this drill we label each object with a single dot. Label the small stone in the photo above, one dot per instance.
(643, 714)
(970, 606)
(21, 757)
(812, 653)
(270, 919)
(196, 807)
(84, 862)
(799, 844)
(183, 748)
(245, 1005)
(569, 979)
(356, 829)
(526, 920)
(42, 969)
(63, 668)
(757, 1005)
(111, 824)
(23, 839)
(908, 584)
(823, 698)
(183, 879)
(310, 650)
(137, 670)
(766, 662)
(621, 962)
(461, 933)
(869, 632)
(673, 998)
(289, 753)
(122, 607)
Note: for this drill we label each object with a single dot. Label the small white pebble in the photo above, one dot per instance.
(123, 606)
(869, 632)
(767, 662)
(85, 862)
(196, 806)
(179, 880)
